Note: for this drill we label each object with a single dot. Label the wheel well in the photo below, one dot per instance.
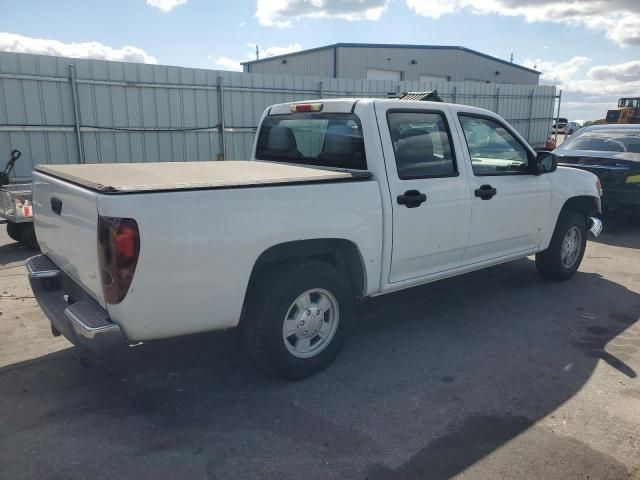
(340, 253)
(583, 204)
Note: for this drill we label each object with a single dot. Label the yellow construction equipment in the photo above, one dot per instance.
(628, 111)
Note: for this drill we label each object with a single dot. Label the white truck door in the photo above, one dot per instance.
(508, 200)
(431, 201)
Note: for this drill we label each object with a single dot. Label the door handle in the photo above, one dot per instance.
(485, 192)
(412, 199)
(56, 205)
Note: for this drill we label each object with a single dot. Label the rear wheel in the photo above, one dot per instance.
(298, 318)
(23, 233)
(563, 257)
(13, 231)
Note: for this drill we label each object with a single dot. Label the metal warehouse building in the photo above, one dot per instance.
(421, 63)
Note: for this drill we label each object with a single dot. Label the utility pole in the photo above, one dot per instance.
(257, 52)
(511, 59)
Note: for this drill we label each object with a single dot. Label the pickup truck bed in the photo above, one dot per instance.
(202, 228)
(156, 177)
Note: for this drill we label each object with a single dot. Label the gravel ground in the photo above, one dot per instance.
(494, 374)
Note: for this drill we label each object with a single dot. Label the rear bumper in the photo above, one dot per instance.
(84, 322)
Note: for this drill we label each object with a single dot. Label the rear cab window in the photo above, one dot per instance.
(331, 140)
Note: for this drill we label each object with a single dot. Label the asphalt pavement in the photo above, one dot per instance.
(495, 374)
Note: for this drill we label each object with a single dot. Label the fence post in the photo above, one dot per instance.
(320, 89)
(455, 91)
(222, 155)
(558, 116)
(530, 115)
(76, 111)
(497, 110)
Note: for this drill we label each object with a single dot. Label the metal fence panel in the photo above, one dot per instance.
(146, 113)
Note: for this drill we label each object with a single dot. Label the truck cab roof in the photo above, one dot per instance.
(347, 105)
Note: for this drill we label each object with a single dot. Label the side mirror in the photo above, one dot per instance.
(546, 162)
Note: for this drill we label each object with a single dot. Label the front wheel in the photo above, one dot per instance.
(297, 318)
(563, 257)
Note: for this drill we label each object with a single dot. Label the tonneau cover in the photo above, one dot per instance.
(141, 177)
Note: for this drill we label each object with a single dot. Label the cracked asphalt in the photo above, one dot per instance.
(492, 375)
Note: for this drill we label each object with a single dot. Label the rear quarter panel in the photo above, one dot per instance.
(198, 248)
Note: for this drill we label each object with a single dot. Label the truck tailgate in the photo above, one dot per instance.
(66, 218)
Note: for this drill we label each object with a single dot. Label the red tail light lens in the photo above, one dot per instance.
(305, 107)
(118, 251)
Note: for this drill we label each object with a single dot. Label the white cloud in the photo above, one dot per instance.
(619, 19)
(235, 65)
(11, 42)
(558, 72)
(226, 63)
(165, 5)
(273, 51)
(280, 13)
(589, 92)
(436, 8)
(623, 72)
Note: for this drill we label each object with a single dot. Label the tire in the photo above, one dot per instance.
(277, 302)
(29, 236)
(13, 230)
(23, 233)
(555, 263)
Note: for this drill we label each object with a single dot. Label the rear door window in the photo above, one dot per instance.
(319, 139)
(421, 144)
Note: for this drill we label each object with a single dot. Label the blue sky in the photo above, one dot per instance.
(591, 51)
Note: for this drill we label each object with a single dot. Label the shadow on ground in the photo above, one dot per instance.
(433, 380)
(14, 252)
(621, 230)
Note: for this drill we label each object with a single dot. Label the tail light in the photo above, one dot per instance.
(305, 107)
(118, 251)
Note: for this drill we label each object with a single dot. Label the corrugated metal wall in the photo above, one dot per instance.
(457, 64)
(147, 113)
(315, 63)
(353, 61)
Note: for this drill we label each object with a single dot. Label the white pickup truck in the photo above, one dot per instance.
(343, 199)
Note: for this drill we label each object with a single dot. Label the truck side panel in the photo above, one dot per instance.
(198, 248)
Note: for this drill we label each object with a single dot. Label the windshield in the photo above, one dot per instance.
(629, 102)
(319, 139)
(627, 140)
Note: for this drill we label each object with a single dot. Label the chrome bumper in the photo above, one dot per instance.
(84, 322)
(595, 226)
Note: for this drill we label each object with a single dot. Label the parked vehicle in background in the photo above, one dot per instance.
(612, 152)
(573, 127)
(560, 126)
(345, 199)
(16, 209)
